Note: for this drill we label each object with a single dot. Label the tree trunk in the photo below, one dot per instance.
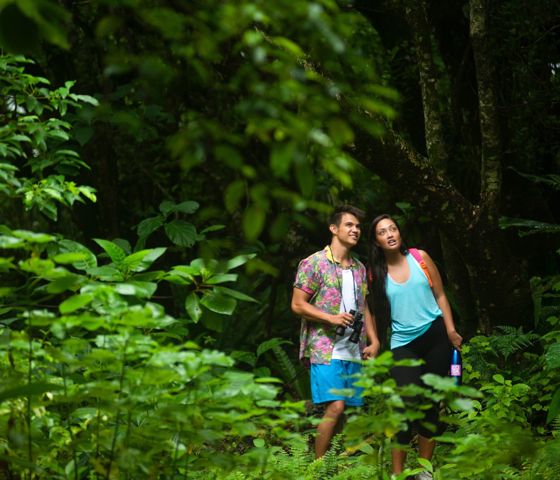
(500, 290)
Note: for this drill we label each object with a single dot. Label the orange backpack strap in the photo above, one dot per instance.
(418, 257)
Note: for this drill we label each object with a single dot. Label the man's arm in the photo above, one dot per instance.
(302, 307)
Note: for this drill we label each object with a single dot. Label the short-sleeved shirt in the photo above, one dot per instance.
(320, 276)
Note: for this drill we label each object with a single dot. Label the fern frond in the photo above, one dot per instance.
(291, 373)
(511, 340)
(547, 462)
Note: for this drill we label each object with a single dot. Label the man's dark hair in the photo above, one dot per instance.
(339, 211)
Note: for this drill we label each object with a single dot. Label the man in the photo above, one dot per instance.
(329, 284)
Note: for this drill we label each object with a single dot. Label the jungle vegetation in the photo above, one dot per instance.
(164, 165)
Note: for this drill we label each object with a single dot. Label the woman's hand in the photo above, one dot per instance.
(371, 351)
(455, 339)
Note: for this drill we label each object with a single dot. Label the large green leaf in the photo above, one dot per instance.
(218, 302)
(192, 306)
(181, 233)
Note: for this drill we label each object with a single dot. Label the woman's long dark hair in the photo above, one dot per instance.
(377, 278)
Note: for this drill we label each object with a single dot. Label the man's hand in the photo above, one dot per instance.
(345, 319)
(371, 351)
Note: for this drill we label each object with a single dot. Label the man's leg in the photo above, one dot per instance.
(330, 425)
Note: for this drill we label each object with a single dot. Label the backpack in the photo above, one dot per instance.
(418, 257)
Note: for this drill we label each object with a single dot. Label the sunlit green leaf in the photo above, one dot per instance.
(74, 303)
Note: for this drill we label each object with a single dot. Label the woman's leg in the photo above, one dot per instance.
(404, 376)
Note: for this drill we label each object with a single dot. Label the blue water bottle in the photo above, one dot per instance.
(456, 369)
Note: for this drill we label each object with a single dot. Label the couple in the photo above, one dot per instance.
(331, 283)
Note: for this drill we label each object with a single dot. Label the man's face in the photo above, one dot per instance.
(348, 231)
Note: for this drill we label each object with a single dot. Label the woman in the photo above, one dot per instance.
(413, 301)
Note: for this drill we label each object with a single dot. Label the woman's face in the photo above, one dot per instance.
(387, 235)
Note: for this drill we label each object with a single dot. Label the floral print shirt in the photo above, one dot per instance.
(320, 276)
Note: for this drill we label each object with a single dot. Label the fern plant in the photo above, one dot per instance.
(510, 340)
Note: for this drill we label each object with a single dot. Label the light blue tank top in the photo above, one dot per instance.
(413, 306)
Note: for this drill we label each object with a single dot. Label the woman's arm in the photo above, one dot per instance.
(441, 299)
(371, 331)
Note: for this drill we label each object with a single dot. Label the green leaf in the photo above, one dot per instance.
(74, 303)
(221, 278)
(186, 207)
(69, 246)
(219, 303)
(269, 345)
(233, 194)
(33, 237)
(137, 289)
(498, 378)
(149, 225)
(239, 260)
(236, 294)
(68, 282)
(168, 207)
(70, 257)
(142, 260)
(305, 178)
(253, 222)
(181, 233)
(192, 307)
(426, 464)
(106, 273)
(116, 253)
(212, 228)
(246, 357)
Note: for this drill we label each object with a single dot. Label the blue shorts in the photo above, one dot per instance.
(336, 375)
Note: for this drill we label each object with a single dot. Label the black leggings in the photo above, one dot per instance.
(434, 348)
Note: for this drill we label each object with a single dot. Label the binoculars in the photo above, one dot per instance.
(356, 327)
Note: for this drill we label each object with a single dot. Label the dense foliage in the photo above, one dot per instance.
(152, 222)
